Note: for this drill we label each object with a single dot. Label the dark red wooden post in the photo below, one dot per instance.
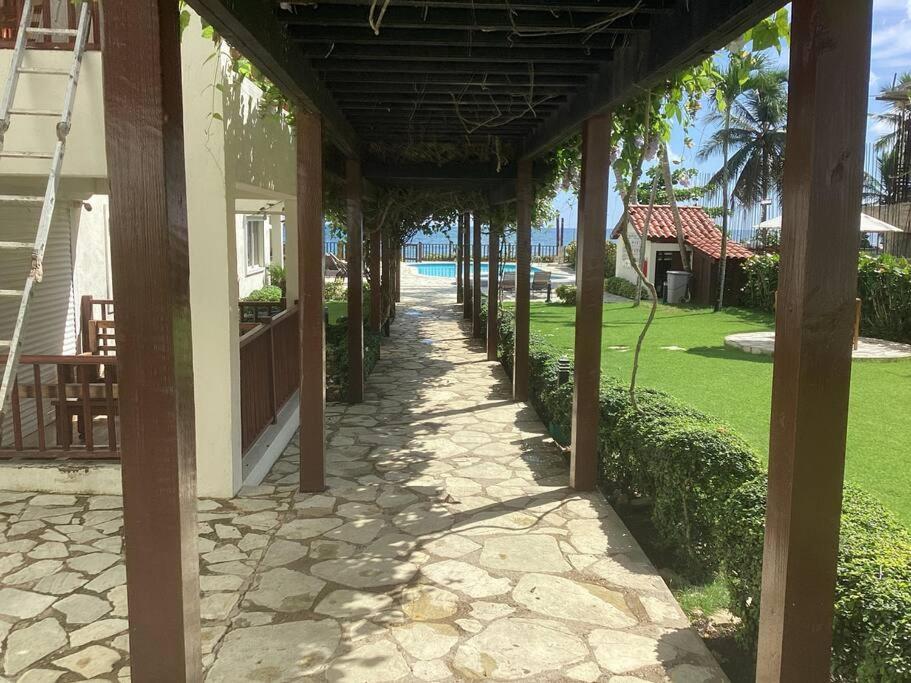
(476, 274)
(827, 107)
(311, 274)
(524, 201)
(150, 268)
(589, 300)
(460, 242)
(355, 283)
(376, 294)
(493, 289)
(468, 294)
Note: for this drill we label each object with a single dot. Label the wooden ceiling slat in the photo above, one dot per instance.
(344, 80)
(486, 20)
(321, 54)
(433, 67)
(548, 6)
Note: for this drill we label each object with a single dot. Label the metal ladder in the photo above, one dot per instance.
(47, 202)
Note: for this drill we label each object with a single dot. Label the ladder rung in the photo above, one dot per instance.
(20, 199)
(34, 30)
(46, 72)
(17, 245)
(35, 112)
(5, 342)
(11, 292)
(26, 155)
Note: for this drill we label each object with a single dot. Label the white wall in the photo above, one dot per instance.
(624, 268)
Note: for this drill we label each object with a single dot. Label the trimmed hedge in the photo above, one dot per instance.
(872, 630)
(883, 285)
(621, 287)
(337, 357)
(708, 492)
(567, 294)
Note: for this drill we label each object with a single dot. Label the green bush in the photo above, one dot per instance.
(708, 492)
(267, 293)
(567, 294)
(337, 356)
(761, 272)
(570, 254)
(884, 286)
(621, 287)
(278, 276)
(336, 290)
(872, 627)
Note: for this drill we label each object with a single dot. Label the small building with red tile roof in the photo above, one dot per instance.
(703, 241)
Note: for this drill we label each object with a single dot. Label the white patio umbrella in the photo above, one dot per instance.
(867, 224)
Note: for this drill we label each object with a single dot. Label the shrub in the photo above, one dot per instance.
(570, 254)
(761, 274)
(621, 287)
(337, 357)
(336, 290)
(267, 293)
(884, 286)
(567, 294)
(277, 276)
(872, 627)
(709, 499)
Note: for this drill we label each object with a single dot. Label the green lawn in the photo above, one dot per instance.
(736, 386)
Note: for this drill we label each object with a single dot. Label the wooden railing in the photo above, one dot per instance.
(56, 390)
(419, 251)
(269, 372)
(47, 14)
(96, 326)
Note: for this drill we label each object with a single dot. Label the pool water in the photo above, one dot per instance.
(443, 269)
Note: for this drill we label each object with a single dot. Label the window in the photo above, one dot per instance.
(255, 228)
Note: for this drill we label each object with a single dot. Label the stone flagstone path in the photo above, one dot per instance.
(447, 547)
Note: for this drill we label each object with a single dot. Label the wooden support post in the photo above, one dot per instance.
(376, 269)
(467, 305)
(459, 246)
(823, 176)
(397, 273)
(477, 299)
(355, 282)
(312, 326)
(590, 239)
(150, 269)
(493, 290)
(386, 283)
(524, 201)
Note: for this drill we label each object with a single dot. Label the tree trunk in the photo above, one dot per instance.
(672, 201)
(643, 244)
(726, 204)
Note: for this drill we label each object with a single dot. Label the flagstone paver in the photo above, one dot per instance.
(447, 547)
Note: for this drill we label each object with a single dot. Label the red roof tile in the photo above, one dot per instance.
(699, 230)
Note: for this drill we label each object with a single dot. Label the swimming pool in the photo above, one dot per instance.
(443, 269)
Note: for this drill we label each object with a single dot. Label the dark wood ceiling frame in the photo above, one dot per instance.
(255, 31)
(693, 31)
(150, 265)
(548, 6)
(823, 177)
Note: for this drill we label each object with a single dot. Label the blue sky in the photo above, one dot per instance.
(891, 54)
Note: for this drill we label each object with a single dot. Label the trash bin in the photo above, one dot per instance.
(677, 281)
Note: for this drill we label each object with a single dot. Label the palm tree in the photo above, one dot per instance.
(896, 116)
(729, 87)
(894, 147)
(756, 133)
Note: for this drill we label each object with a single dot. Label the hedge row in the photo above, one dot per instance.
(883, 285)
(621, 287)
(708, 490)
(337, 356)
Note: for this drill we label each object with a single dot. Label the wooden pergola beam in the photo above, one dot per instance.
(150, 267)
(693, 31)
(256, 32)
(467, 305)
(478, 56)
(493, 289)
(823, 177)
(312, 326)
(548, 6)
(355, 281)
(592, 233)
(476, 330)
(524, 204)
(431, 67)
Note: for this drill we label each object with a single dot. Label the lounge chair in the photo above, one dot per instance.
(540, 282)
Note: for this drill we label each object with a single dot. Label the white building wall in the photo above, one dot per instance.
(624, 267)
